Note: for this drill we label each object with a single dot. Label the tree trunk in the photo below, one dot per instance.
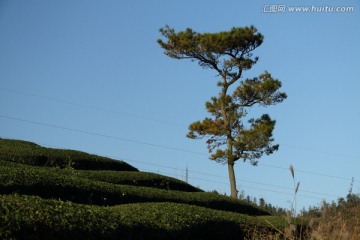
(227, 127)
(234, 191)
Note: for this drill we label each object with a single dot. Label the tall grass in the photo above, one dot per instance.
(336, 220)
(331, 221)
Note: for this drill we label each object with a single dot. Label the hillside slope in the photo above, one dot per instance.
(32, 154)
(47, 193)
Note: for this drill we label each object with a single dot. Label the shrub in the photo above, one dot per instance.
(66, 185)
(32, 154)
(29, 217)
(144, 179)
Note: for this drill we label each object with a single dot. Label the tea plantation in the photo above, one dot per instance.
(50, 193)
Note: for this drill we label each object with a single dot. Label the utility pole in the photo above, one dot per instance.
(351, 186)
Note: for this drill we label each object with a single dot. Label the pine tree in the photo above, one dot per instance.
(229, 137)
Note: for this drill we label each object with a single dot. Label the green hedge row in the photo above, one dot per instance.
(134, 178)
(66, 185)
(145, 179)
(29, 217)
(32, 154)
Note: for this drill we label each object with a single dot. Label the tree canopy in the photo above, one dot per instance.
(230, 53)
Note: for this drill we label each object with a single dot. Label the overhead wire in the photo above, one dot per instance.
(319, 151)
(99, 134)
(158, 145)
(91, 107)
(223, 177)
(308, 172)
(150, 144)
(148, 118)
(237, 179)
(256, 188)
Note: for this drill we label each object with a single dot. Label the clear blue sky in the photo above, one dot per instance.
(93, 71)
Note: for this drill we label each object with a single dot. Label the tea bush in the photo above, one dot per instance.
(66, 185)
(33, 154)
(30, 217)
(50, 193)
(145, 179)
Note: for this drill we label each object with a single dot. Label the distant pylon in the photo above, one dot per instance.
(187, 174)
(351, 186)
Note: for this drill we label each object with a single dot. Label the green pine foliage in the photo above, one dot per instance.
(230, 136)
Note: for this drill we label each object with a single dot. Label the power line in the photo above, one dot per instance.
(153, 145)
(308, 172)
(259, 164)
(92, 107)
(213, 175)
(150, 118)
(100, 135)
(221, 182)
(262, 189)
(266, 165)
(319, 151)
(237, 180)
